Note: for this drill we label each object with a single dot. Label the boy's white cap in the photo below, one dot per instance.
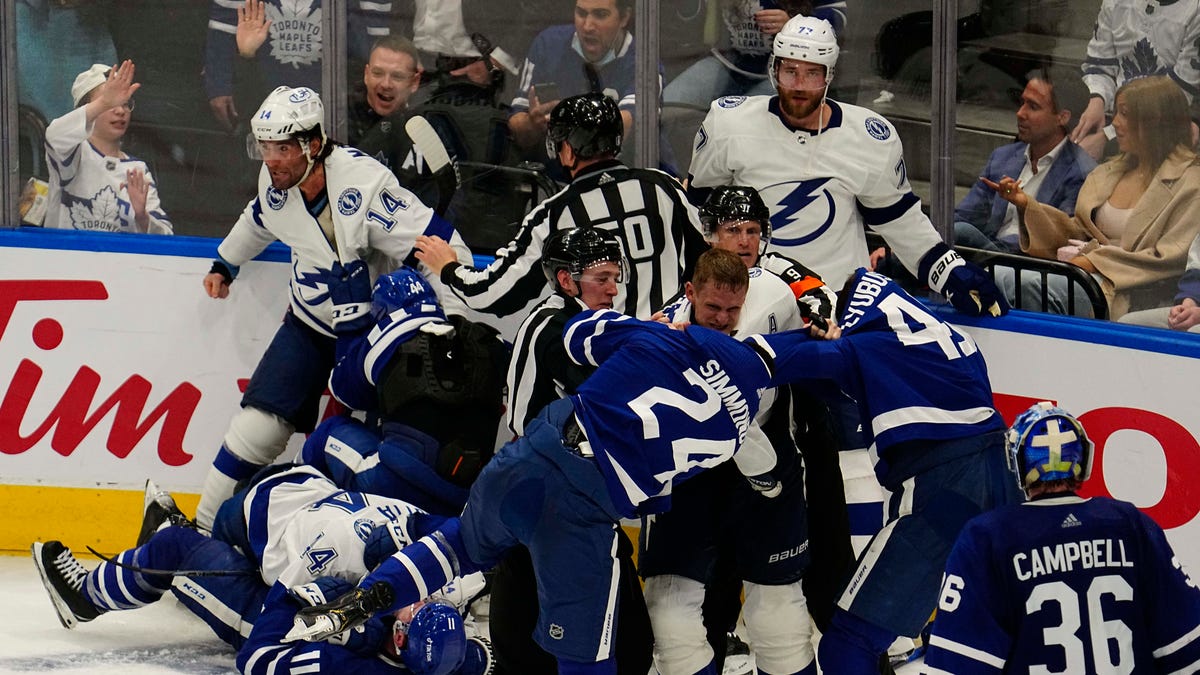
(88, 80)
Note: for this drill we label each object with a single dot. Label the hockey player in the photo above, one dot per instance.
(346, 220)
(291, 529)
(1062, 584)
(436, 386)
(644, 208)
(922, 391)
(585, 268)
(662, 405)
(827, 170)
(94, 185)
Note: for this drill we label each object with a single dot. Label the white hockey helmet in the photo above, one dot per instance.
(805, 38)
(288, 113)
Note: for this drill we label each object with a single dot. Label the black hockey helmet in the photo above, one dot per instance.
(577, 249)
(735, 202)
(590, 123)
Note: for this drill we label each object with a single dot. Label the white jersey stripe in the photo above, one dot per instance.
(927, 415)
(969, 652)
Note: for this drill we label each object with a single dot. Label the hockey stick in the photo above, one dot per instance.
(173, 573)
(445, 172)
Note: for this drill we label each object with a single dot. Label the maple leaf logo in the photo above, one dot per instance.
(101, 212)
(1141, 62)
(295, 32)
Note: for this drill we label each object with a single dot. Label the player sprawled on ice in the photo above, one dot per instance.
(1062, 583)
(922, 391)
(662, 405)
(289, 540)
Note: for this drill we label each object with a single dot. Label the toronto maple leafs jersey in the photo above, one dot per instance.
(663, 404)
(371, 216)
(291, 54)
(645, 209)
(87, 189)
(914, 377)
(1136, 39)
(1065, 585)
(822, 189)
(554, 57)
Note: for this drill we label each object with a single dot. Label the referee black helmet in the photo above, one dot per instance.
(577, 249)
(590, 123)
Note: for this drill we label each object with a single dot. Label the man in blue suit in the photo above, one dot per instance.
(1046, 162)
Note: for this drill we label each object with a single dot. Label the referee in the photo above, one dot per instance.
(645, 209)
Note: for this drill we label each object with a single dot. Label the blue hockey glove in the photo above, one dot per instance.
(383, 541)
(365, 639)
(964, 283)
(350, 291)
(765, 484)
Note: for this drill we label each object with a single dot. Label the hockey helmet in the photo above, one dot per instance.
(434, 642)
(805, 38)
(1047, 443)
(577, 249)
(590, 123)
(735, 203)
(287, 114)
(401, 289)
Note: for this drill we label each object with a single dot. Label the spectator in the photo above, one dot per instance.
(1062, 584)
(93, 184)
(1043, 159)
(1185, 313)
(1136, 214)
(247, 582)
(739, 67)
(1132, 40)
(346, 220)
(450, 33)
(266, 43)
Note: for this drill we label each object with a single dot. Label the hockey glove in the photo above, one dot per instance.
(383, 541)
(964, 284)
(350, 291)
(765, 484)
(365, 639)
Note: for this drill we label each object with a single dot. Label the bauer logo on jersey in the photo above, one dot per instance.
(731, 101)
(349, 201)
(276, 198)
(878, 129)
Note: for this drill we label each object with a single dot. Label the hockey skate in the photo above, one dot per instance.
(63, 576)
(351, 610)
(159, 509)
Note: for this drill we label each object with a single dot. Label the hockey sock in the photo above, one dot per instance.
(111, 586)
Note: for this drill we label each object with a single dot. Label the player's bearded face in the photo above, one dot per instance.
(800, 103)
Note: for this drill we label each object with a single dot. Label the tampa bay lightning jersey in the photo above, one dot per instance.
(1065, 585)
(914, 377)
(87, 189)
(663, 404)
(822, 189)
(371, 216)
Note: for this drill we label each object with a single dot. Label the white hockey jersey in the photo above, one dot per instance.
(373, 218)
(822, 189)
(87, 188)
(1135, 39)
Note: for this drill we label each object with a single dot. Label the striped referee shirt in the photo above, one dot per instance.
(539, 371)
(646, 210)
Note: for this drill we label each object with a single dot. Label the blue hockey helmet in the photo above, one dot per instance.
(436, 642)
(401, 289)
(1047, 443)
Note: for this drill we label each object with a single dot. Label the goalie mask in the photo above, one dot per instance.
(1047, 443)
(447, 381)
(735, 203)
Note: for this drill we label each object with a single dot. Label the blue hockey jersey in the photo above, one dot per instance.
(915, 377)
(1065, 585)
(665, 404)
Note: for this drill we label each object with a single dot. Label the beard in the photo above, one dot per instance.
(796, 108)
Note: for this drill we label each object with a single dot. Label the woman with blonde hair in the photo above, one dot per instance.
(1136, 214)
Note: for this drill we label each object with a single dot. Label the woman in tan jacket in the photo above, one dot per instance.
(1136, 214)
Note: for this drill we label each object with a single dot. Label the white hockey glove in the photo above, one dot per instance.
(765, 484)
(964, 283)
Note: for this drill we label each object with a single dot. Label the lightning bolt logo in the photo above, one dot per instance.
(317, 280)
(787, 211)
